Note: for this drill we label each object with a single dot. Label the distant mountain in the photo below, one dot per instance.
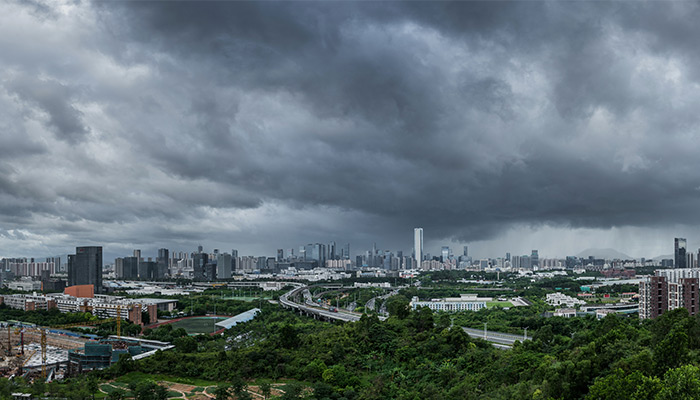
(663, 257)
(608, 254)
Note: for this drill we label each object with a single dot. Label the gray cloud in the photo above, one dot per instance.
(54, 99)
(283, 123)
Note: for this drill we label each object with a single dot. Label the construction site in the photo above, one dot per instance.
(35, 352)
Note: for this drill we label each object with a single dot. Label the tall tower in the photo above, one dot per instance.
(534, 258)
(162, 263)
(85, 267)
(418, 244)
(679, 259)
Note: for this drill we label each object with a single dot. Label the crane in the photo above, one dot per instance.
(43, 353)
(119, 320)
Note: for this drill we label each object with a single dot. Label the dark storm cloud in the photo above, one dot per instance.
(425, 147)
(53, 98)
(466, 118)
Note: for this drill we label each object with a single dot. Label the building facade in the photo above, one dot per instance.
(669, 290)
(85, 267)
(418, 244)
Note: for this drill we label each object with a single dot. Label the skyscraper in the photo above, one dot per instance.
(418, 244)
(224, 266)
(130, 268)
(679, 259)
(85, 267)
(534, 259)
(162, 264)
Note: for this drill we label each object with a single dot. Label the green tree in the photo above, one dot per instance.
(289, 338)
(623, 385)
(185, 344)
(92, 386)
(266, 390)
(222, 392)
(681, 383)
(292, 391)
(116, 394)
(398, 306)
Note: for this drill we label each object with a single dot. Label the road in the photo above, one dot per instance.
(341, 315)
(498, 339)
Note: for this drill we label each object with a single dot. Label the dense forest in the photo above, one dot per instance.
(412, 355)
(420, 355)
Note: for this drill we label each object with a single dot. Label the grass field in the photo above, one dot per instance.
(198, 325)
(140, 376)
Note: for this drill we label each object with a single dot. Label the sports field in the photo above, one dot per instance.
(198, 325)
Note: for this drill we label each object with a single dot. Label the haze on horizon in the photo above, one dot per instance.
(508, 126)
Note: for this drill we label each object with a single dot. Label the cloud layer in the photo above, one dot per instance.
(259, 125)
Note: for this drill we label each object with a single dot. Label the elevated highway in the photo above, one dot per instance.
(287, 300)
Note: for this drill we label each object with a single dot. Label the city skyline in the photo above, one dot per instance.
(507, 126)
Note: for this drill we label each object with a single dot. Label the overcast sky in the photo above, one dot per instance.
(555, 126)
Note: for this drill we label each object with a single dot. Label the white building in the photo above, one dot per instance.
(418, 244)
(559, 299)
(26, 285)
(466, 302)
(565, 312)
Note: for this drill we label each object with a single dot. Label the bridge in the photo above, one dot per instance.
(287, 301)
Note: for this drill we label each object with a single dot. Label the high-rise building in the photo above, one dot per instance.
(199, 261)
(85, 267)
(119, 267)
(445, 253)
(162, 263)
(346, 252)
(466, 251)
(679, 259)
(280, 255)
(418, 244)
(315, 252)
(224, 266)
(534, 259)
(148, 269)
(130, 268)
(330, 251)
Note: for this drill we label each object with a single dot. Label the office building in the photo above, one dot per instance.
(126, 268)
(147, 270)
(680, 260)
(199, 261)
(162, 264)
(418, 244)
(224, 266)
(85, 267)
(534, 259)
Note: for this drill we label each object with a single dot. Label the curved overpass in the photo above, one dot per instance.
(321, 313)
